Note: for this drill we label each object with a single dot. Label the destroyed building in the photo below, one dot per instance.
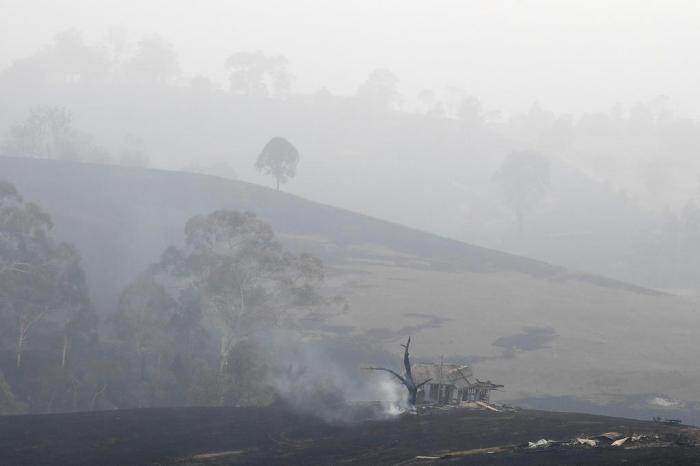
(451, 384)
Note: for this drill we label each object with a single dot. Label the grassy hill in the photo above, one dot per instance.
(538, 328)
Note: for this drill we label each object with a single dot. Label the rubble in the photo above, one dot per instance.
(475, 405)
(586, 441)
(541, 443)
(608, 440)
(608, 437)
(616, 440)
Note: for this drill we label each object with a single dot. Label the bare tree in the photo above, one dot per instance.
(407, 379)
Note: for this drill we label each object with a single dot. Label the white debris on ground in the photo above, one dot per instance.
(612, 440)
(615, 440)
(541, 443)
(475, 405)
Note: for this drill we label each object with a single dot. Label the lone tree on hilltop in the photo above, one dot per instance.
(407, 379)
(278, 158)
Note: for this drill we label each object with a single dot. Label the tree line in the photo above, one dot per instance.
(184, 331)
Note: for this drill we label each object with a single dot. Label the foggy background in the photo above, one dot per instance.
(572, 57)
(605, 91)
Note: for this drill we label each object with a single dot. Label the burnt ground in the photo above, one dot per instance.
(216, 436)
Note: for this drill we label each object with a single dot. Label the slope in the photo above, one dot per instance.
(538, 328)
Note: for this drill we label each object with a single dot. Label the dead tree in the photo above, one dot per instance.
(407, 379)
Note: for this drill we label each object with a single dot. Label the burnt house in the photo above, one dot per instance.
(451, 384)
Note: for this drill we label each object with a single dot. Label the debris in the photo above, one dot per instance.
(450, 384)
(541, 443)
(586, 441)
(605, 440)
(220, 454)
(620, 442)
(608, 437)
(487, 406)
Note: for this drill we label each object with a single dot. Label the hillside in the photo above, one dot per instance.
(538, 328)
(148, 208)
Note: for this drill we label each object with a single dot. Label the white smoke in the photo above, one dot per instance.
(393, 398)
(307, 376)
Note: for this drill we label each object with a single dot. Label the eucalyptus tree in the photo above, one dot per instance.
(41, 281)
(46, 133)
(247, 280)
(230, 280)
(143, 320)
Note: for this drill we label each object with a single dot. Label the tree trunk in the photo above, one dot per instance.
(20, 345)
(64, 352)
(25, 323)
(412, 395)
(407, 380)
(93, 401)
(224, 353)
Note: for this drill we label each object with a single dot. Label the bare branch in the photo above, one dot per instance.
(422, 383)
(459, 370)
(407, 362)
(403, 381)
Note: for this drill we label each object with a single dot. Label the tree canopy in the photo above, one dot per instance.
(41, 281)
(278, 158)
(230, 280)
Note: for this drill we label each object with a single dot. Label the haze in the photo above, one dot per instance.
(571, 56)
(263, 204)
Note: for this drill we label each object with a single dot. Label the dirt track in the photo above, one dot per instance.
(213, 436)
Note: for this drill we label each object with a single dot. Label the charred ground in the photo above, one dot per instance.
(275, 435)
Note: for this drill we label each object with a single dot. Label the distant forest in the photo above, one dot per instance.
(613, 193)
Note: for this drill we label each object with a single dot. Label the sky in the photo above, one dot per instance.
(571, 56)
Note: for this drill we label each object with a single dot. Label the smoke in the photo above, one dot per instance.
(325, 379)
